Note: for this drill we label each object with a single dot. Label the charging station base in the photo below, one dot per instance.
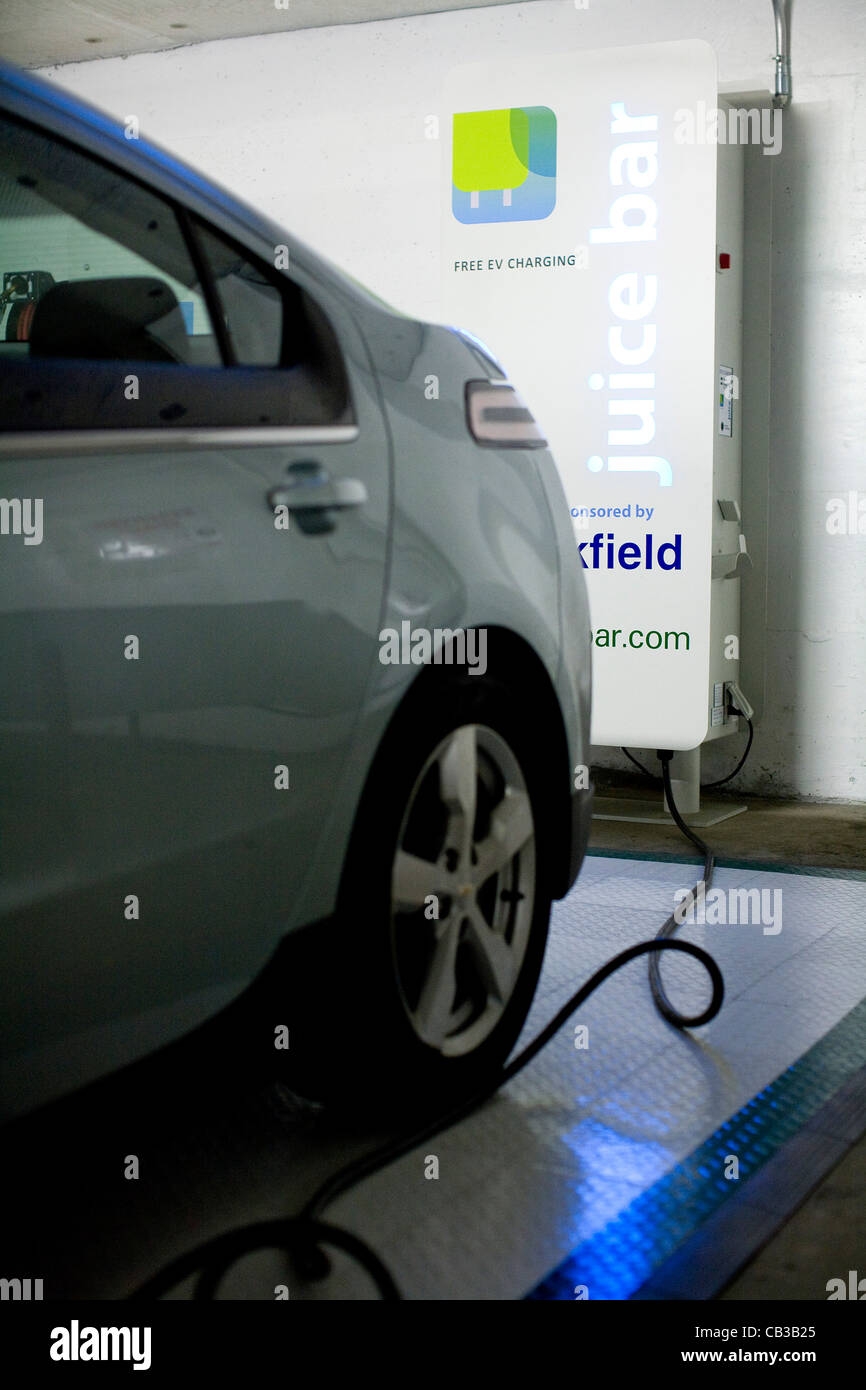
(648, 812)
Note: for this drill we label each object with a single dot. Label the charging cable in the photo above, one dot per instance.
(304, 1235)
(666, 931)
(736, 702)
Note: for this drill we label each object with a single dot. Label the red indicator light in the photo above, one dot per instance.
(724, 260)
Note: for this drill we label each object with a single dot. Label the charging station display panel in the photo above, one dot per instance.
(579, 244)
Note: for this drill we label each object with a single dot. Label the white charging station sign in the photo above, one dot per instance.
(579, 244)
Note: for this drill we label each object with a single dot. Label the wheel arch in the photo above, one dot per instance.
(515, 663)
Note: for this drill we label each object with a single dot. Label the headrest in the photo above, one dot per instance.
(133, 318)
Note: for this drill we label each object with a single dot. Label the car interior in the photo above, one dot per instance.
(96, 269)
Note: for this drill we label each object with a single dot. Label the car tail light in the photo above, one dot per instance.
(499, 418)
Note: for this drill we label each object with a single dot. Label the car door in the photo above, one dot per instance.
(188, 630)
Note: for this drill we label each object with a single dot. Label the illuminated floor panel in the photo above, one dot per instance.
(634, 1247)
(613, 1154)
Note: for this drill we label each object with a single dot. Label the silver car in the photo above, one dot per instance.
(294, 643)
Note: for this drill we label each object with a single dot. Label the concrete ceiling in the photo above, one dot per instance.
(41, 33)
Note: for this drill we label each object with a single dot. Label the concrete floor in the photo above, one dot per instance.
(219, 1147)
(823, 1240)
(794, 833)
(827, 1236)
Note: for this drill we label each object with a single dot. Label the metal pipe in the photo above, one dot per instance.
(782, 92)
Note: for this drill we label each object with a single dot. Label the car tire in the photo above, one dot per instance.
(418, 988)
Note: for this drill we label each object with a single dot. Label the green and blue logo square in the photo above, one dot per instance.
(504, 164)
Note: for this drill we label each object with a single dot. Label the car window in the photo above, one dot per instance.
(268, 319)
(97, 270)
(92, 265)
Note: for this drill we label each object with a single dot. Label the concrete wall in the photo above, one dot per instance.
(325, 130)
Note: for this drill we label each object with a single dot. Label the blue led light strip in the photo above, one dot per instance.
(619, 1258)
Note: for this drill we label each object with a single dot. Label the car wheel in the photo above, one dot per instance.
(426, 977)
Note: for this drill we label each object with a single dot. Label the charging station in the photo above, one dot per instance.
(594, 240)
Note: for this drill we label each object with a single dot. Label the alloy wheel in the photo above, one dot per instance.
(463, 890)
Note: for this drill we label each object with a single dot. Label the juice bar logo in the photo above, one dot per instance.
(504, 165)
(632, 299)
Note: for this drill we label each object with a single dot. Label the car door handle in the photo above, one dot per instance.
(313, 497)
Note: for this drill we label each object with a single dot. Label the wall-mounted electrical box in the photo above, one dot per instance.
(594, 240)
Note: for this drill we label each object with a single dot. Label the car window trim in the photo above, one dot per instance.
(51, 443)
(208, 288)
